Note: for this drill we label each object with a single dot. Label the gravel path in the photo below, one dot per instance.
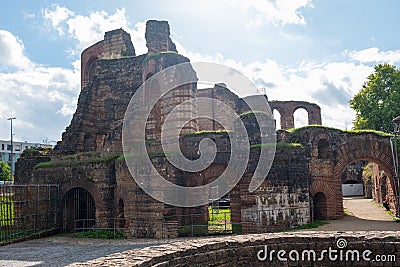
(364, 215)
(54, 251)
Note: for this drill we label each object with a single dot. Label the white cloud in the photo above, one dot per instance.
(55, 15)
(87, 30)
(12, 51)
(278, 12)
(373, 55)
(42, 98)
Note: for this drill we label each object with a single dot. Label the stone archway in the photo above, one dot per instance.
(370, 148)
(100, 207)
(78, 210)
(332, 151)
(287, 108)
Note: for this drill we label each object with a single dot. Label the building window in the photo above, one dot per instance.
(9, 147)
(2, 146)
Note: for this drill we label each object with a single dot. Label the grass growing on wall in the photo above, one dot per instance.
(278, 145)
(68, 163)
(75, 156)
(379, 133)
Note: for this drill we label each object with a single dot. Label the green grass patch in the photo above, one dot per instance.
(237, 228)
(101, 233)
(71, 162)
(6, 211)
(396, 219)
(278, 145)
(254, 112)
(219, 215)
(7, 235)
(221, 132)
(36, 151)
(75, 156)
(379, 133)
(200, 229)
(219, 221)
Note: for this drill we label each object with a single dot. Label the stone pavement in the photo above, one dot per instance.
(61, 250)
(364, 215)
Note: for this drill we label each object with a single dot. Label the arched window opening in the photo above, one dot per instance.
(277, 118)
(300, 118)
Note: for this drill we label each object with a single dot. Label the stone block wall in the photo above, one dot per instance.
(242, 250)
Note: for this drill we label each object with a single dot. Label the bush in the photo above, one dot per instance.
(106, 234)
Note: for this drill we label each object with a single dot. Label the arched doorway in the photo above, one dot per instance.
(78, 210)
(319, 201)
(121, 214)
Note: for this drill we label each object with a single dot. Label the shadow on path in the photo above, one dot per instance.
(363, 215)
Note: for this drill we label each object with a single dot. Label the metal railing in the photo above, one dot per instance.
(27, 210)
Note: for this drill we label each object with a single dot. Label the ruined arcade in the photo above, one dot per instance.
(96, 188)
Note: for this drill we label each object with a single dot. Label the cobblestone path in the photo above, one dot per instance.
(364, 215)
(61, 251)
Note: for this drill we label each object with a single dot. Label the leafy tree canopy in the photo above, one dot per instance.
(4, 171)
(378, 103)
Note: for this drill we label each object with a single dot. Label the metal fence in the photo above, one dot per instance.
(216, 223)
(27, 210)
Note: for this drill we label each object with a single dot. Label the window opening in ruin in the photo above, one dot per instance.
(300, 118)
(277, 118)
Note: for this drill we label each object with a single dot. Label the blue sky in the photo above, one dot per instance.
(314, 50)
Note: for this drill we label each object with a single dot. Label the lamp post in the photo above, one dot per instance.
(393, 144)
(12, 149)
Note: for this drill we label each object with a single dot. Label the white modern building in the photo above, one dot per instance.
(19, 147)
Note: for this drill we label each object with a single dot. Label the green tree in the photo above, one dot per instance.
(379, 100)
(4, 171)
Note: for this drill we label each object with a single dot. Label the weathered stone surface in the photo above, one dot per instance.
(157, 37)
(242, 251)
(305, 175)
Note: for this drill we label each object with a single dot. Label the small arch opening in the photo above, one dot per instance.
(300, 117)
(277, 118)
(79, 210)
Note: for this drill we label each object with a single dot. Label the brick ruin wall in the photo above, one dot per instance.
(114, 74)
